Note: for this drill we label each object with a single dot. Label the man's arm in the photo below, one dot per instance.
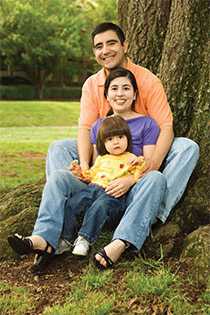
(160, 111)
(88, 115)
(84, 148)
(162, 147)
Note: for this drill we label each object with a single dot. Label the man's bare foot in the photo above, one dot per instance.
(113, 250)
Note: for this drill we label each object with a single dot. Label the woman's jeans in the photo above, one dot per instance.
(98, 208)
(152, 197)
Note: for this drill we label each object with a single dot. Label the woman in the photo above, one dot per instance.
(120, 90)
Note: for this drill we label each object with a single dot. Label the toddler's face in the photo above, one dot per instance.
(116, 145)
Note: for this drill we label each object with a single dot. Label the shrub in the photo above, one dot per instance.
(27, 92)
(20, 92)
(72, 93)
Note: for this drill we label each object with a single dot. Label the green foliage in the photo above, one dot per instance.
(42, 37)
(14, 300)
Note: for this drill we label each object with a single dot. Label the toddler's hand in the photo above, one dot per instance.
(136, 160)
(133, 160)
(76, 170)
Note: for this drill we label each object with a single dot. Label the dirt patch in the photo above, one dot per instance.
(48, 289)
(25, 155)
(32, 155)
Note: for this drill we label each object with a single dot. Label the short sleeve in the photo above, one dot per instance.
(88, 105)
(94, 130)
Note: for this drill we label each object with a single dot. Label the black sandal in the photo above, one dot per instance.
(42, 260)
(108, 260)
(22, 245)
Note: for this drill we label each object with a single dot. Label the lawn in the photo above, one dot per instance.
(73, 286)
(27, 129)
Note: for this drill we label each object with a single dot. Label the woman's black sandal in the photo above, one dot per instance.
(22, 245)
(103, 254)
(42, 260)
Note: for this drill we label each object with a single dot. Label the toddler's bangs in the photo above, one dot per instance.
(113, 132)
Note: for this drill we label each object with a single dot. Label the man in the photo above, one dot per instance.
(179, 155)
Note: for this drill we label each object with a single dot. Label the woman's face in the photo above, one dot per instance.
(120, 95)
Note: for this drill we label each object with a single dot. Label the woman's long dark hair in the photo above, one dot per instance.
(110, 127)
(116, 73)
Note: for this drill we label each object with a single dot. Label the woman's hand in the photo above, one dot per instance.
(118, 187)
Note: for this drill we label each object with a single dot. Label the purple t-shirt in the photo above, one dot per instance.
(144, 130)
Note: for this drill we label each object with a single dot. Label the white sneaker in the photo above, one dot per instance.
(81, 246)
(63, 246)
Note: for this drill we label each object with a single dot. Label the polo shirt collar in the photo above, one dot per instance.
(101, 77)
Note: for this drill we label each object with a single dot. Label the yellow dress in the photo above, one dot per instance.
(109, 167)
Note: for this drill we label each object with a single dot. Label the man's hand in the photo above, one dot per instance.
(151, 165)
(118, 187)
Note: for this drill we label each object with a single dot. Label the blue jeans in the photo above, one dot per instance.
(153, 196)
(98, 208)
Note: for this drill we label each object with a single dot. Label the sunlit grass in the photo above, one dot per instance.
(30, 135)
(23, 152)
(14, 300)
(27, 129)
(36, 113)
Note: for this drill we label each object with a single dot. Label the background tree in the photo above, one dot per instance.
(45, 37)
(170, 38)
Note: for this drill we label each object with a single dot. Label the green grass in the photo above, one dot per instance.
(141, 290)
(27, 129)
(88, 296)
(36, 113)
(14, 300)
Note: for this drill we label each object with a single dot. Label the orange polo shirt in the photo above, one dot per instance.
(151, 99)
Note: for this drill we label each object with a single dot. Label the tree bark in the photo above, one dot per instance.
(171, 39)
(145, 25)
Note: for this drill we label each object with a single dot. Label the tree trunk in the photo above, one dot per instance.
(145, 25)
(170, 38)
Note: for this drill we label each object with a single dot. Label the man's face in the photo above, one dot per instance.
(108, 50)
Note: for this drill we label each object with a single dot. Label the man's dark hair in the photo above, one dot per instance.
(108, 26)
(110, 127)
